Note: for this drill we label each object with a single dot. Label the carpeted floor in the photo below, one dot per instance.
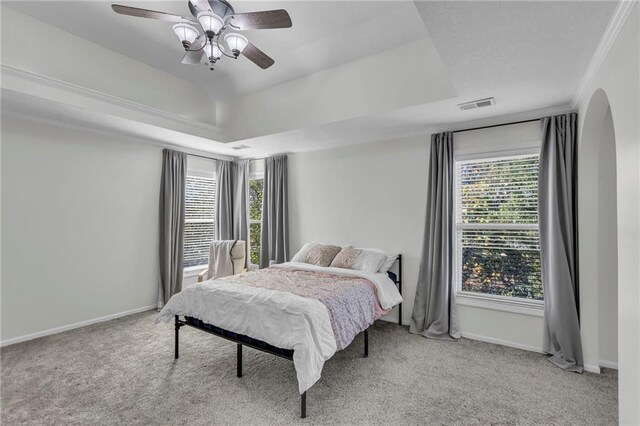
(123, 372)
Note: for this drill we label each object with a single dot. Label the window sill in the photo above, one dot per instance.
(501, 303)
(192, 271)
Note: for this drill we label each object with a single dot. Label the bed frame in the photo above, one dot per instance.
(242, 340)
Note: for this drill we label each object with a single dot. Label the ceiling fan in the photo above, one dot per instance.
(200, 37)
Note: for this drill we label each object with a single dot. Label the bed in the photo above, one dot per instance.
(301, 312)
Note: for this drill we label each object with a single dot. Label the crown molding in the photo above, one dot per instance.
(109, 99)
(422, 131)
(618, 19)
(124, 136)
(26, 107)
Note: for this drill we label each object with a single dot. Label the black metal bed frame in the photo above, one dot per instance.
(242, 340)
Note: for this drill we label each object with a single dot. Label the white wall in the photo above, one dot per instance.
(607, 247)
(371, 195)
(374, 195)
(618, 77)
(79, 226)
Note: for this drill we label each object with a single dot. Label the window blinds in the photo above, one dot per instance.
(497, 226)
(199, 219)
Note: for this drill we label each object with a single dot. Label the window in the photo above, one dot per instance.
(497, 241)
(256, 184)
(199, 219)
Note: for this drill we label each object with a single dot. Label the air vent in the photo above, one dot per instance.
(239, 147)
(479, 103)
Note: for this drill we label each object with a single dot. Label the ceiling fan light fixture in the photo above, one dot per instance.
(186, 33)
(211, 23)
(213, 51)
(236, 42)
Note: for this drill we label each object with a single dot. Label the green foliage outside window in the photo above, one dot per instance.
(255, 216)
(497, 225)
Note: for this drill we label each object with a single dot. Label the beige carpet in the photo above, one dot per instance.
(123, 372)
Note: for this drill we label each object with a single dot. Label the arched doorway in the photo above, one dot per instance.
(597, 221)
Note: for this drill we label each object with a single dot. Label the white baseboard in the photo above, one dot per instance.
(591, 368)
(60, 329)
(608, 364)
(488, 339)
(472, 336)
(501, 342)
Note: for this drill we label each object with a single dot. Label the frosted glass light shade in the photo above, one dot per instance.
(213, 50)
(211, 23)
(236, 42)
(186, 33)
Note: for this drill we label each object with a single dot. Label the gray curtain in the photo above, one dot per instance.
(241, 203)
(172, 193)
(275, 215)
(434, 309)
(224, 200)
(232, 200)
(557, 209)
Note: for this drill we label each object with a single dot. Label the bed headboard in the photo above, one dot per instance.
(395, 273)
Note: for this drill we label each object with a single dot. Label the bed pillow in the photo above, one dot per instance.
(388, 263)
(359, 259)
(299, 256)
(316, 254)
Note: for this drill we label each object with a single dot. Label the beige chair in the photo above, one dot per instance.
(238, 256)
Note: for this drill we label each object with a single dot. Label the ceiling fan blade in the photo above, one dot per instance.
(262, 20)
(193, 57)
(257, 56)
(145, 13)
(201, 5)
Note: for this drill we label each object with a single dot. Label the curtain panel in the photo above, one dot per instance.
(434, 309)
(172, 205)
(241, 204)
(557, 209)
(274, 244)
(224, 200)
(232, 201)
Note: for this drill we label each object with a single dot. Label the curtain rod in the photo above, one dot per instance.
(497, 125)
(212, 158)
(202, 156)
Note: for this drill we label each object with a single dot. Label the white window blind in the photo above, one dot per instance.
(498, 246)
(199, 219)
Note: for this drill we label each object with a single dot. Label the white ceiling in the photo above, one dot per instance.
(324, 34)
(529, 55)
(520, 48)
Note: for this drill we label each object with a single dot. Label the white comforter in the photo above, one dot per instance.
(281, 319)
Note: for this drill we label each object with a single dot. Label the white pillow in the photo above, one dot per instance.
(371, 261)
(389, 261)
